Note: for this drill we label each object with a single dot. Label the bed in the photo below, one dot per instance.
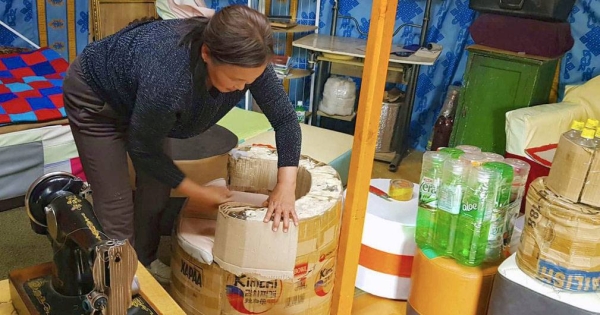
(34, 134)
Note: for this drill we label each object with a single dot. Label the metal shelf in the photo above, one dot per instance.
(345, 118)
(300, 28)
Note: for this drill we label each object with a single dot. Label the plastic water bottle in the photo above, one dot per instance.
(431, 175)
(492, 157)
(493, 251)
(475, 159)
(587, 138)
(576, 128)
(454, 178)
(597, 138)
(473, 224)
(469, 148)
(521, 173)
(452, 152)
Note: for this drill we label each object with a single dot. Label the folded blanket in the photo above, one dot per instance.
(31, 86)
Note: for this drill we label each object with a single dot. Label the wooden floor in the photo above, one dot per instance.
(367, 304)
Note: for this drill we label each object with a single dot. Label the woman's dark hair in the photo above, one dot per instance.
(236, 35)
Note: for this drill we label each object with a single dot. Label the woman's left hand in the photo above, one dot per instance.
(281, 206)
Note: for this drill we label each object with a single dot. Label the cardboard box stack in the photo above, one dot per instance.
(562, 218)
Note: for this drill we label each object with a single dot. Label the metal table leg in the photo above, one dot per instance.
(402, 145)
(320, 77)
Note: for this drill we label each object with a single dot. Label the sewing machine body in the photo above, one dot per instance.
(90, 273)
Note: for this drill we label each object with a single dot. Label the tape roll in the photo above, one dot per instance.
(401, 190)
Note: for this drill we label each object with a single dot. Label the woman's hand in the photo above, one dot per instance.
(281, 202)
(204, 198)
(211, 196)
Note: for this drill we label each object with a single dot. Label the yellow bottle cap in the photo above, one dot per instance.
(591, 123)
(577, 125)
(598, 132)
(588, 133)
(401, 190)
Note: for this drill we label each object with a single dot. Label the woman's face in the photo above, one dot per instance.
(229, 78)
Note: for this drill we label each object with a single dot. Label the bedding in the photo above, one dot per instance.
(35, 138)
(31, 87)
(28, 154)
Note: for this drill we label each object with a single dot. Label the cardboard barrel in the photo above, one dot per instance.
(559, 244)
(256, 279)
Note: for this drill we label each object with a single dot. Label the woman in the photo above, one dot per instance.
(131, 91)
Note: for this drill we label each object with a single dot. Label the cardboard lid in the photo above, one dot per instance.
(560, 206)
(215, 141)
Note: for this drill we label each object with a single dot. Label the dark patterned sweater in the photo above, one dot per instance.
(146, 76)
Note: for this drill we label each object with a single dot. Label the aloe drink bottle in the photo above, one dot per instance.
(576, 128)
(493, 251)
(469, 148)
(453, 152)
(521, 172)
(431, 173)
(454, 177)
(492, 157)
(473, 224)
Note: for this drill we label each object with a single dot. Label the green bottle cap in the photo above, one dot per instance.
(505, 170)
(453, 152)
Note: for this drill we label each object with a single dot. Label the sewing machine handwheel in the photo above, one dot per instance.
(43, 191)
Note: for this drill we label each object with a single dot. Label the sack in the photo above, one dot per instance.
(339, 96)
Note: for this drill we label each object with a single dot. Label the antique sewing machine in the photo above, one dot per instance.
(90, 273)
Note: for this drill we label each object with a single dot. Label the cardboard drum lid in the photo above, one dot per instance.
(559, 244)
(256, 270)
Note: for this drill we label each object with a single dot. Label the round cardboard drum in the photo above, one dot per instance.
(388, 244)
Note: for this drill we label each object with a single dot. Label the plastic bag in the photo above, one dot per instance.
(339, 96)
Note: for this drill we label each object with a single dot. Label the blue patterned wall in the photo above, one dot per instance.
(448, 26)
(25, 16)
(450, 20)
(582, 62)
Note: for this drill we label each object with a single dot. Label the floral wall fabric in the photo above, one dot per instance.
(63, 25)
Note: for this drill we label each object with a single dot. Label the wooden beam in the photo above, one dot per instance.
(363, 151)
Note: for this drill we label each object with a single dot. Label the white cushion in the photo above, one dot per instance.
(540, 125)
(196, 235)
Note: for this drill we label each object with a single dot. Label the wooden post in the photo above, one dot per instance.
(363, 151)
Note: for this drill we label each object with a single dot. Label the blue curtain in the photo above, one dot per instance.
(450, 21)
(582, 62)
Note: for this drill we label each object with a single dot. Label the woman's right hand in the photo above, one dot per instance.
(204, 198)
(211, 197)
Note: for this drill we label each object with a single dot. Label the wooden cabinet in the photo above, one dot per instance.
(110, 16)
(496, 82)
